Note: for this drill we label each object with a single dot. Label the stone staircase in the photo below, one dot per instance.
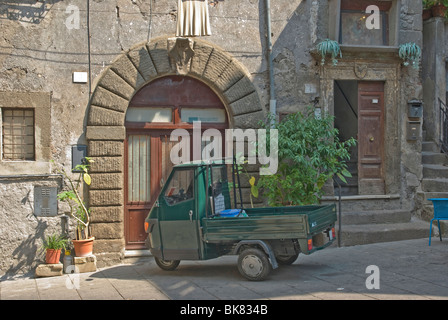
(372, 219)
(434, 183)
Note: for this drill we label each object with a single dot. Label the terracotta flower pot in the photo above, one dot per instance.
(438, 10)
(83, 248)
(52, 256)
(426, 14)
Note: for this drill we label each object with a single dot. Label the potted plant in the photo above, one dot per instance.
(427, 4)
(410, 53)
(329, 47)
(438, 7)
(83, 243)
(53, 245)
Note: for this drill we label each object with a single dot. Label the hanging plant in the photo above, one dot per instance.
(410, 53)
(329, 47)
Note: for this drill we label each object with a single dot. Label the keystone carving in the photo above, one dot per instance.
(181, 54)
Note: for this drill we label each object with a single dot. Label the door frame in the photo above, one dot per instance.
(389, 73)
(105, 130)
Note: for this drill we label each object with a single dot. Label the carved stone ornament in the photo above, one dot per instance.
(361, 70)
(181, 53)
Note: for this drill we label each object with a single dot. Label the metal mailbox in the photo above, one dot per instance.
(415, 109)
(79, 152)
(413, 130)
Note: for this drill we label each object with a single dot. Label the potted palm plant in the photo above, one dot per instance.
(329, 47)
(410, 53)
(83, 242)
(53, 245)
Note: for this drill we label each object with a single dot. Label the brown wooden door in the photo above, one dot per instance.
(165, 104)
(147, 168)
(371, 137)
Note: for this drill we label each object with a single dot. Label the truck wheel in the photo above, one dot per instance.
(287, 260)
(253, 264)
(167, 265)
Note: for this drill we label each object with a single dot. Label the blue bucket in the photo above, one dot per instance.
(229, 213)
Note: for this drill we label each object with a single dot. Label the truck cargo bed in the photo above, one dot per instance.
(297, 222)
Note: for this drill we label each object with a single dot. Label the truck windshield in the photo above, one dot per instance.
(180, 187)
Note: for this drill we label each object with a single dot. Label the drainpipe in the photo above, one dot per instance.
(273, 101)
(88, 49)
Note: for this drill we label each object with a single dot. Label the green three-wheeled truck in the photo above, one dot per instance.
(199, 216)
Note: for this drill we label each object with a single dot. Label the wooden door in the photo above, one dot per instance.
(147, 167)
(371, 137)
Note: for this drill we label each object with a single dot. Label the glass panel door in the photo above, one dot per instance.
(139, 168)
(138, 194)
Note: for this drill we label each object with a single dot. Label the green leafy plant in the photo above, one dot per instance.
(427, 4)
(72, 196)
(432, 3)
(331, 47)
(309, 154)
(55, 242)
(410, 53)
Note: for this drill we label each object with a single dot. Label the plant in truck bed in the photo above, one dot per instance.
(309, 154)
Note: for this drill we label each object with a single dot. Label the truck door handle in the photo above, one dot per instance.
(191, 215)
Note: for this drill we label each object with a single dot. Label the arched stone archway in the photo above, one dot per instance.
(105, 131)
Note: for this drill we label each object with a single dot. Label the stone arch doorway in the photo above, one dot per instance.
(106, 130)
(163, 105)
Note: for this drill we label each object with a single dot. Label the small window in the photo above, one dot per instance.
(180, 187)
(18, 134)
(203, 115)
(148, 114)
(354, 28)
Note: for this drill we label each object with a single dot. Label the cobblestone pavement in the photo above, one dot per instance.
(400, 270)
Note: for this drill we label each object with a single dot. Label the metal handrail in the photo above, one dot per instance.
(443, 136)
(339, 212)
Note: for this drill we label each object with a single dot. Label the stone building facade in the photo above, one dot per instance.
(125, 47)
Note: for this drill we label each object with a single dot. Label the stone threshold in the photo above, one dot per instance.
(137, 253)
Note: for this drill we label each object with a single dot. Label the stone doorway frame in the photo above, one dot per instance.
(105, 129)
(351, 67)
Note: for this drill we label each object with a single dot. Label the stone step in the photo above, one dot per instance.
(430, 146)
(435, 185)
(365, 203)
(434, 171)
(375, 217)
(363, 234)
(434, 158)
(424, 196)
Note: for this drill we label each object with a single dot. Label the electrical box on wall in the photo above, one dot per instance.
(79, 153)
(45, 201)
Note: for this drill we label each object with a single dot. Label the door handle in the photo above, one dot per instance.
(191, 215)
(372, 139)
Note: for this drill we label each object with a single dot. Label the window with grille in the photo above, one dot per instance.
(18, 134)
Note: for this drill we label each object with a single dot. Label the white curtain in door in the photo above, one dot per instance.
(193, 19)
